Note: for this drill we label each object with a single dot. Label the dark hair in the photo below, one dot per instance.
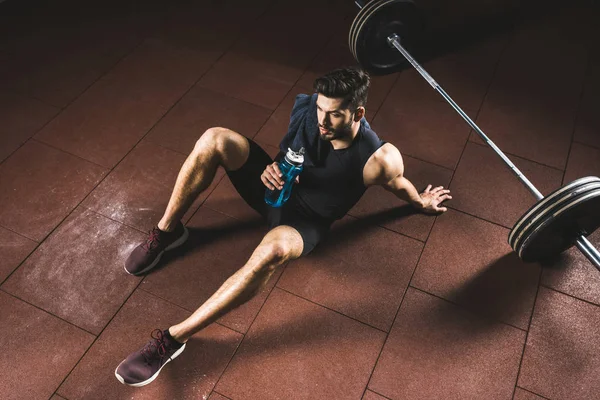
(351, 84)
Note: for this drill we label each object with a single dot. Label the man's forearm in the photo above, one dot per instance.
(405, 190)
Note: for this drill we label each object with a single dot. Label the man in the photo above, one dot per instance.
(343, 157)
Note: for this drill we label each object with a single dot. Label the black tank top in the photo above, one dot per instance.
(331, 189)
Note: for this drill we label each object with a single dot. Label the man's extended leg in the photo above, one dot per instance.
(216, 147)
(280, 245)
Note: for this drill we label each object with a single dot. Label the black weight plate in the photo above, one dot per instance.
(561, 229)
(362, 14)
(371, 48)
(550, 208)
(538, 210)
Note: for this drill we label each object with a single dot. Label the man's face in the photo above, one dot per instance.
(335, 120)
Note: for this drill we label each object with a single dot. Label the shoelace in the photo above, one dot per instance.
(152, 241)
(156, 346)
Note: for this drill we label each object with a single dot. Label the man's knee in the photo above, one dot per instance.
(230, 148)
(285, 244)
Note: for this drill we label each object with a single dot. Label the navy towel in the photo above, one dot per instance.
(303, 131)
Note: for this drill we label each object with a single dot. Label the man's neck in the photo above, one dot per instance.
(345, 142)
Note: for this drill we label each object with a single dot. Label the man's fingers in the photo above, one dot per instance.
(266, 182)
(437, 189)
(276, 168)
(444, 197)
(428, 188)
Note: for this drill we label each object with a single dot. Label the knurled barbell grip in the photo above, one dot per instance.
(394, 41)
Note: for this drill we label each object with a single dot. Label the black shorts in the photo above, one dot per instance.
(248, 184)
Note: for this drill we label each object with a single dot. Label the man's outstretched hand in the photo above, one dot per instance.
(432, 198)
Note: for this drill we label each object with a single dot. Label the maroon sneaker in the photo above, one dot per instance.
(145, 257)
(143, 366)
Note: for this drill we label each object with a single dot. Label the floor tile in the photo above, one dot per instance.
(588, 121)
(521, 394)
(59, 61)
(521, 126)
(379, 205)
(525, 115)
(117, 111)
(46, 348)
(437, 350)
(468, 261)
(57, 397)
(77, 273)
(273, 58)
(574, 274)
(529, 63)
(262, 81)
(298, 350)
(217, 396)
(429, 131)
(35, 197)
(561, 356)
(372, 396)
(464, 74)
(277, 125)
(191, 376)
(201, 109)
(14, 249)
(20, 118)
(361, 275)
(137, 192)
(485, 187)
(206, 261)
(583, 161)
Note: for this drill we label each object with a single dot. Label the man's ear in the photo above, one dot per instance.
(359, 114)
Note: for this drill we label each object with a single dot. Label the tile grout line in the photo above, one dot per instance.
(577, 116)
(528, 330)
(591, 303)
(491, 82)
(522, 158)
(62, 109)
(183, 308)
(428, 235)
(395, 317)
(249, 328)
(331, 309)
(115, 166)
(46, 311)
(110, 170)
(472, 312)
(98, 336)
(529, 391)
(377, 393)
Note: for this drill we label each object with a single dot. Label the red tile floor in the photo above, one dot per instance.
(100, 102)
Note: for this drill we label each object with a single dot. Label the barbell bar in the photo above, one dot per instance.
(552, 225)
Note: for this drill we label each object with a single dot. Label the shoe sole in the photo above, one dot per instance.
(173, 245)
(153, 377)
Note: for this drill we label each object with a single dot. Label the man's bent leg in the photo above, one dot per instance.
(280, 245)
(216, 147)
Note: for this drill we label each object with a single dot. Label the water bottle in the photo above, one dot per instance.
(290, 167)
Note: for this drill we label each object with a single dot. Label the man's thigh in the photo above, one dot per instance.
(246, 179)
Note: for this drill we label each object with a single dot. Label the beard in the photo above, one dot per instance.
(337, 133)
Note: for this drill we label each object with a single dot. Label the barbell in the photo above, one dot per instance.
(378, 38)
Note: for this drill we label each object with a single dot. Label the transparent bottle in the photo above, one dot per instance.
(290, 167)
